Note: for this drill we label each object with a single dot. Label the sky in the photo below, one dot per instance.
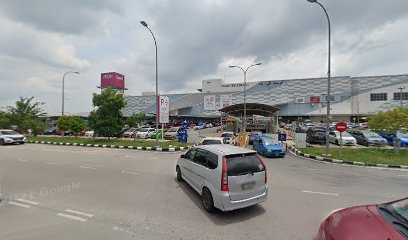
(41, 40)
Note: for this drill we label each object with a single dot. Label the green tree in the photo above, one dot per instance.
(5, 121)
(136, 119)
(77, 125)
(35, 124)
(390, 121)
(64, 123)
(107, 119)
(26, 108)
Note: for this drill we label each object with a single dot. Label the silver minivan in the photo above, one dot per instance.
(227, 177)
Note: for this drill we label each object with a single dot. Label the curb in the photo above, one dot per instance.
(344, 162)
(158, 149)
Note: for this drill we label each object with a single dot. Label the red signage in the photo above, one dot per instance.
(112, 80)
(341, 127)
(315, 99)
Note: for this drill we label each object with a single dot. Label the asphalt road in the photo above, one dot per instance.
(88, 193)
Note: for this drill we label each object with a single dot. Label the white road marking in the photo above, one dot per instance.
(79, 213)
(134, 173)
(19, 204)
(321, 193)
(71, 217)
(52, 163)
(22, 160)
(402, 175)
(154, 158)
(27, 201)
(85, 167)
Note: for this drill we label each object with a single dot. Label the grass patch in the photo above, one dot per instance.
(371, 155)
(137, 143)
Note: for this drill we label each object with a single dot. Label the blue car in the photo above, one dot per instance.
(402, 136)
(268, 147)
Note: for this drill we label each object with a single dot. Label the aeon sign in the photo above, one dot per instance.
(112, 80)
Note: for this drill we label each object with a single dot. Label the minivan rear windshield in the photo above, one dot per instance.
(241, 164)
(210, 142)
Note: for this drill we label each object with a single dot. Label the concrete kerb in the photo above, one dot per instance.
(297, 152)
(171, 149)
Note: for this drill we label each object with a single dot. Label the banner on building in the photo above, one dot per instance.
(300, 100)
(225, 101)
(209, 103)
(164, 109)
(315, 99)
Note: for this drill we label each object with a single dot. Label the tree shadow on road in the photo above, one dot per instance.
(219, 217)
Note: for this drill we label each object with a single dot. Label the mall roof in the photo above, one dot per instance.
(251, 109)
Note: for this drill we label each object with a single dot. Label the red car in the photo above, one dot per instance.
(388, 221)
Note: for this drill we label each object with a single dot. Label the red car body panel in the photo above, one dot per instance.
(357, 223)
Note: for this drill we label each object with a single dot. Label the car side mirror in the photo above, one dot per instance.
(183, 156)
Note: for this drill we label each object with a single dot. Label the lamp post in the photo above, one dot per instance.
(328, 78)
(401, 92)
(243, 129)
(157, 85)
(63, 90)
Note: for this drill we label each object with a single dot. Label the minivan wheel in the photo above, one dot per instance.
(179, 178)
(208, 202)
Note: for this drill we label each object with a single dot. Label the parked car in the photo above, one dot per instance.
(229, 137)
(89, 133)
(50, 131)
(63, 133)
(403, 138)
(347, 138)
(363, 125)
(212, 140)
(253, 135)
(368, 138)
(8, 136)
(144, 132)
(227, 177)
(160, 135)
(316, 135)
(172, 133)
(268, 147)
(373, 222)
(130, 133)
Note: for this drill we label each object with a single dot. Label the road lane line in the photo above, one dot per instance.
(85, 167)
(27, 201)
(79, 213)
(134, 173)
(19, 204)
(71, 217)
(22, 160)
(52, 163)
(321, 193)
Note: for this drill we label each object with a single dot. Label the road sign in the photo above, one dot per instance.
(282, 137)
(341, 127)
(182, 136)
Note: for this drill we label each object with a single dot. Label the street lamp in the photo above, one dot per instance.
(245, 72)
(157, 85)
(401, 89)
(328, 78)
(63, 89)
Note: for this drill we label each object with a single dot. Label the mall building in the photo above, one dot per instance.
(353, 98)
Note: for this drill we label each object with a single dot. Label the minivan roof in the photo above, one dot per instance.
(225, 149)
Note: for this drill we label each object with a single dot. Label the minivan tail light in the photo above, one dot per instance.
(264, 166)
(224, 175)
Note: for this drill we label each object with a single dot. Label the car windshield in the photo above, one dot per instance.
(241, 164)
(371, 134)
(144, 130)
(173, 129)
(401, 207)
(9, 132)
(344, 134)
(212, 141)
(226, 135)
(269, 142)
(402, 134)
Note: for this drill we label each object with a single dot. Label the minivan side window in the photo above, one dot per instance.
(212, 160)
(201, 157)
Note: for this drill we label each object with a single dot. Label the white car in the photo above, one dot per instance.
(347, 139)
(212, 140)
(229, 137)
(227, 177)
(89, 133)
(11, 137)
(145, 133)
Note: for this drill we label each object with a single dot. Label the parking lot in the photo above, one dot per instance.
(60, 192)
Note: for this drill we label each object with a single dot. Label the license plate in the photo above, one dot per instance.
(247, 186)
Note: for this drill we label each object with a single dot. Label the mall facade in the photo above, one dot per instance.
(352, 98)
